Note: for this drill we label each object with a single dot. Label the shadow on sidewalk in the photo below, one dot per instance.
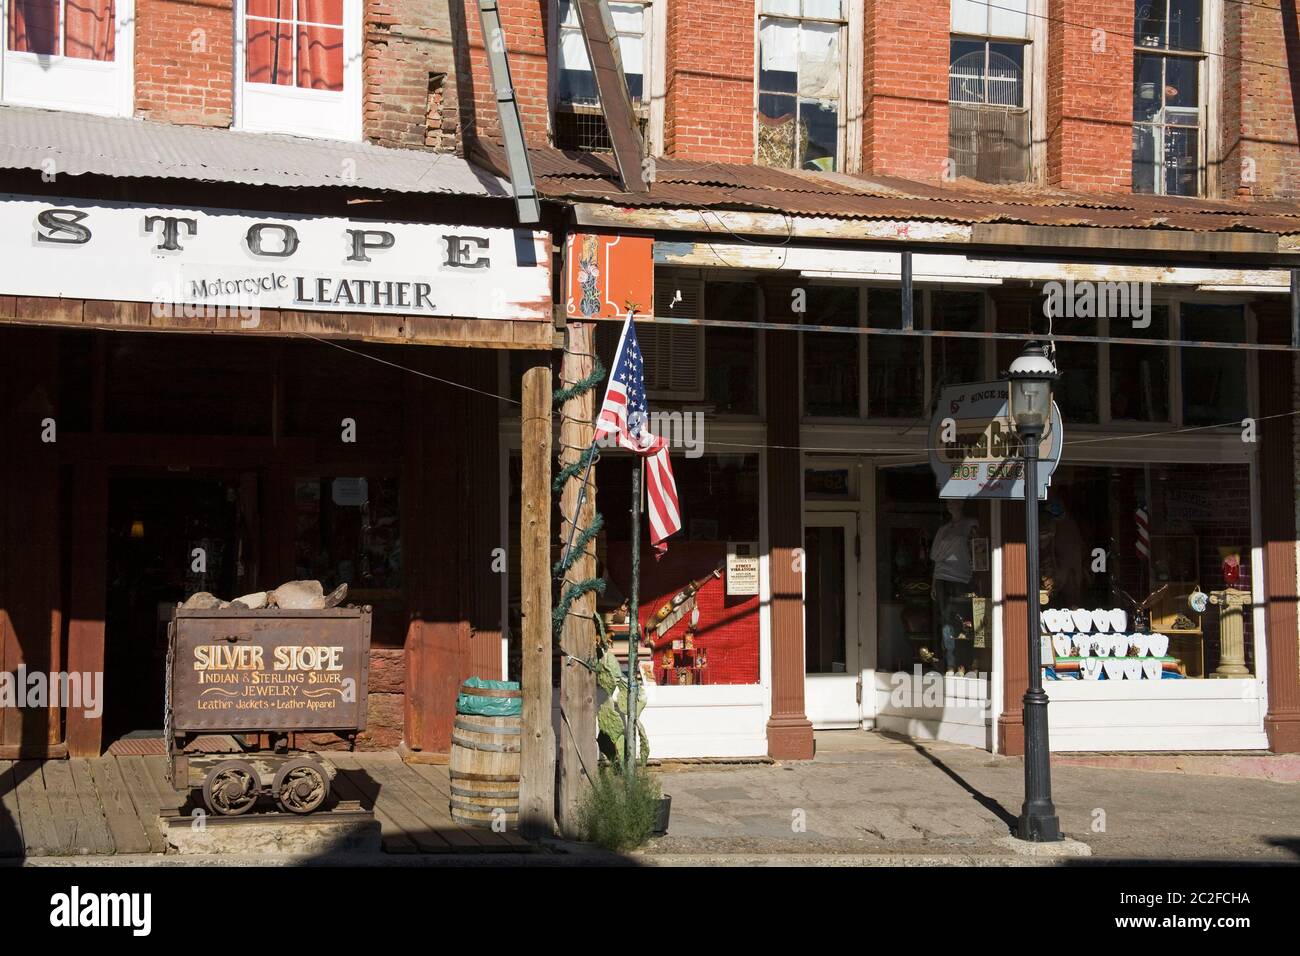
(988, 803)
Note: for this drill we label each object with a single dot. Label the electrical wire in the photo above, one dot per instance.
(381, 361)
(1129, 36)
(846, 450)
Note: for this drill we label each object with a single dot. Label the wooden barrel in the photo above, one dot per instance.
(485, 765)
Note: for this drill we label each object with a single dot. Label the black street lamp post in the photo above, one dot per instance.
(1030, 401)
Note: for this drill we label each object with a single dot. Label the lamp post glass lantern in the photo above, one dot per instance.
(1029, 397)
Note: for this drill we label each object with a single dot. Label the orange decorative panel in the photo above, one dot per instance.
(608, 275)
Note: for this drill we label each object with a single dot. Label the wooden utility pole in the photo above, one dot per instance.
(578, 752)
(537, 758)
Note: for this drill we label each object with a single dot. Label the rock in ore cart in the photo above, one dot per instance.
(259, 669)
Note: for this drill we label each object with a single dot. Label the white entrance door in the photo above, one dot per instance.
(831, 654)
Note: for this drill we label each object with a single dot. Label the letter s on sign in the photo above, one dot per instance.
(62, 226)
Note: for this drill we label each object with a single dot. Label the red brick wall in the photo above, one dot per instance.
(728, 631)
(905, 130)
(426, 77)
(1090, 95)
(1261, 76)
(410, 78)
(184, 61)
(525, 23)
(709, 80)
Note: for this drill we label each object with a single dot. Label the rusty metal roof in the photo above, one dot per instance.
(592, 177)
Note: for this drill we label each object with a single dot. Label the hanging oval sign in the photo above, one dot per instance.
(975, 451)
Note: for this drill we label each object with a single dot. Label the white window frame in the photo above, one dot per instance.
(1209, 88)
(1033, 83)
(848, 132)
(102, 87)
(321, 114)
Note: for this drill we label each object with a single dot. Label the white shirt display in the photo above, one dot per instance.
(950, 551)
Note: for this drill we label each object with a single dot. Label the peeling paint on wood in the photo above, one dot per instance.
(849, 264)
(273, 323)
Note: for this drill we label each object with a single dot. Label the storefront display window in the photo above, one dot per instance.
(1077, 393)
(347, 532)
(956, 360)
(895, 363)
(933, 576)
(699, 603)
(1146, 571)
(731, 355)
(1214, 380)
(831, 368)
(1123, 382)
(1139, 374)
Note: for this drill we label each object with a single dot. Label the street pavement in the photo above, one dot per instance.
(868, 799)
(866, 795)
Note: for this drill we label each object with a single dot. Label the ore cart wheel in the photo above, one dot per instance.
(231, 788)
(301, 785)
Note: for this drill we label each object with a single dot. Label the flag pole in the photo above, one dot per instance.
(630, 750)
(582, 494)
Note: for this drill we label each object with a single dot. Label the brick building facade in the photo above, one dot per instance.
(425, 81)
(798, 102)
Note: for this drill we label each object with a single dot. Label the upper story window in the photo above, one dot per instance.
(988, 109)
(300, 67)
(1168, 113)
(579, 120)
(68, 54)
(800, 121)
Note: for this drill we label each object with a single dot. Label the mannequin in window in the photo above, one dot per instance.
(951, 554)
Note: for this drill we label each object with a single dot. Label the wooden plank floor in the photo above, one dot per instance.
(110, 805)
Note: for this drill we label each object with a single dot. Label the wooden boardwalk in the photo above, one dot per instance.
(112, 805)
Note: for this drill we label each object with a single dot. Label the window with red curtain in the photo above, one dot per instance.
(81, 29)
(295, 43)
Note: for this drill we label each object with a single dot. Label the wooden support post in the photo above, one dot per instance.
(537, 766)
(578, 752)
(84, 733)
(1277, 523)
(789, 732)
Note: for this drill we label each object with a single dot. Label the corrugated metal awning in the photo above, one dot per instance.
(78, 144)
(590, 178)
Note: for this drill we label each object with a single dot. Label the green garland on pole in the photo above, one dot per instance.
(576, 589)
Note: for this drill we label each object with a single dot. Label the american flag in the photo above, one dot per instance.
(625, 413)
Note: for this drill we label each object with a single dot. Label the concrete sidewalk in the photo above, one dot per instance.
(866, 795)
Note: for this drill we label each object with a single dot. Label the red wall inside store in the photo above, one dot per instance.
(728, 628)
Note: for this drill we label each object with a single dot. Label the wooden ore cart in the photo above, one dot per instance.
(260, 676)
